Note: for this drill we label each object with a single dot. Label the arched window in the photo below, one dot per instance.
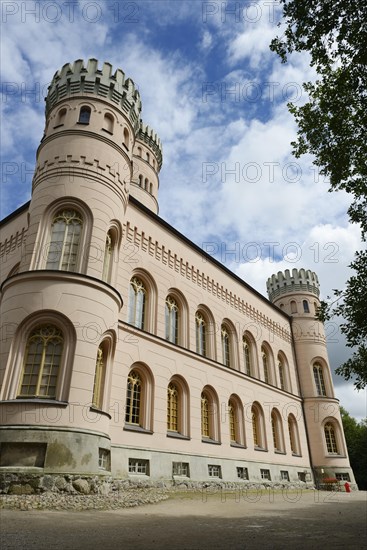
(108, 257)
(330, 439)
(139, 151)
(108, 123)
(126, 138)
(265, 359)
(247, 356)
(201, 325)
(148, 157)
(209, 415)
(99, 377)
(293, 307)
(172, 320)
(65, 239)
(137, 300)
(316, 308)
(205, 424)
(172, 407)
(226, 355)
(60, 120)
(319, 379)
(133, 399)
(84, 115)
(42, 362)
(151, 188)
(293, 435)
(281, 373)
(146, 184)
(140, 180)
(235, 417)
(178, 408)
(306, 307)
(277, 432)
(258, 430)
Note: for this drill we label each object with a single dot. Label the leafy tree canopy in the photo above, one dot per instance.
(332, 126)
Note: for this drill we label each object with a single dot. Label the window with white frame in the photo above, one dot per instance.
(42, 362)
(181, 469)
(172, 319)
(104, 459)
(63, 251)
(200, 325)
(138, 466)
(265, 474)
(284, 475)
(242, 473)
(214, 470)
(137, 303)
(319, 379)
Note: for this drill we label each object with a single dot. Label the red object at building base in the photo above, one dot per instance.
(347, 487)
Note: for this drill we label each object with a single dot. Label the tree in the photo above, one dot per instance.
(332, 127)
(356, 438)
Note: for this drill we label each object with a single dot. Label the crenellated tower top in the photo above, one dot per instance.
(301, 280)
(80, 78)
(148, 136)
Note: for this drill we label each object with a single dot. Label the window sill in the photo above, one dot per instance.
(238, 445)
(138, 429)
(83, 123)
(176, 435)
(38, 400)
(58, 126)
(99, 411)
(107, 131)
(279, 452)
(210, 441)
(296, 454)
(261, 449)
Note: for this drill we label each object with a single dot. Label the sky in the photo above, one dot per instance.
(217, 97)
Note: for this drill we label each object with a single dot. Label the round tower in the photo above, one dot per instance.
(147, 163)
(64, 303)
(297, 293)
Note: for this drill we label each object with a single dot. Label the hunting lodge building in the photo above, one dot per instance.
(126, 350)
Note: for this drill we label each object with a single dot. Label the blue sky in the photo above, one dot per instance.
(217, 97)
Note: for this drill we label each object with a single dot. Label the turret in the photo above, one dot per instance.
(147, 163)
(297, 294)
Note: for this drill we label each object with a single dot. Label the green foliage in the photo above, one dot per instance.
(332, 127)
(356, 438)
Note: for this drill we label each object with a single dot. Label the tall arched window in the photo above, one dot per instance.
(133, 399)
(235, 419)
(277, 432)
(330, 438)
(265, 359)
(61, 115)
(319, 379)
(255, 428)
(200, 325)
(108, 123)
(137, 299)
(65, 239)
(172, 320)
(247, 355)
(209, 415)
(306, 307)
(281, 373)
(84, 115)
(99, 377)
(258, 430)
(293, 307)
(226, 356)
(172, 407)
(293, 435)
(205, 424)
(140, 180)
(108, 257)
(126, 138)
(42, 362)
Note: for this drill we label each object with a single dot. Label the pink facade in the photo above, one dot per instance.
(126, 349)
